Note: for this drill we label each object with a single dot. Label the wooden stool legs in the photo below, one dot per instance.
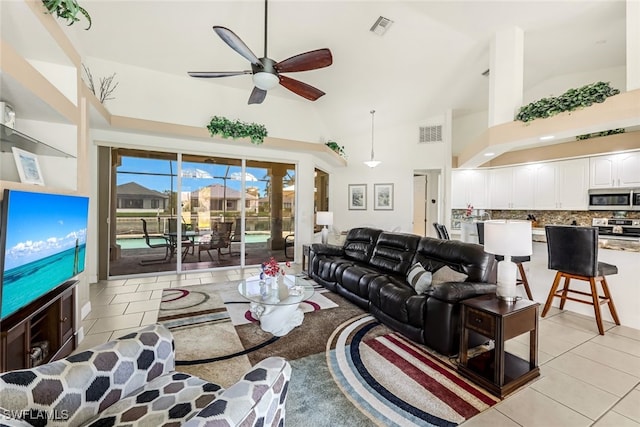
(523, 281)
(595, 300)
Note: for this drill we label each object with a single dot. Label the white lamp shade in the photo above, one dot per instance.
(265, 81)
(324, 218)
(508, 237)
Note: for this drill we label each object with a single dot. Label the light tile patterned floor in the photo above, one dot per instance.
(586, 379)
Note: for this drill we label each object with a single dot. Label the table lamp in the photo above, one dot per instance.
(508, 238)
(324, 218)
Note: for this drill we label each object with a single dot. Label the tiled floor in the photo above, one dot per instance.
(586, 379)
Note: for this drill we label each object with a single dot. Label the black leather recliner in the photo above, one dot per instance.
(370, 270)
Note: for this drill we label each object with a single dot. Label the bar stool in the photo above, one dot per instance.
(573, 253)
(441, 229)
(518, 260)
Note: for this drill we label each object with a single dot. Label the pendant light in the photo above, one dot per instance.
(372, 163)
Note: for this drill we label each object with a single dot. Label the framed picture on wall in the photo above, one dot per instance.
(358, 197)
(28, 166)
(383, 197)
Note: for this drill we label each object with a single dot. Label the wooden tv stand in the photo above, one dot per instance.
(50, 318)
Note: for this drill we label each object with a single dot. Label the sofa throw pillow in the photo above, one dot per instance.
(446, 274)
(419, 278)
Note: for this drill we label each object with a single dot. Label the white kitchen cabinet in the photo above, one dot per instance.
(469, 187)
(615, 170)
(561, 185)
(511, 188)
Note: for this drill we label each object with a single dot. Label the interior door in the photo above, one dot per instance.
(420, 205)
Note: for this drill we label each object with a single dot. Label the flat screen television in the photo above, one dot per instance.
(42, 245)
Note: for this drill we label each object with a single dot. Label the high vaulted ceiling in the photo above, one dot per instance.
(430, 60)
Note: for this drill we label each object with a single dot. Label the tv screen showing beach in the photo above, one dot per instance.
(44, 244)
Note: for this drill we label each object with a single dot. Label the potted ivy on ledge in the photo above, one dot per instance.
(571, 100)
(235, 129)
(339, 149)
(67, 9)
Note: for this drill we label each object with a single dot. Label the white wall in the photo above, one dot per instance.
(558, 85)
(398, 149)
(62, 77)
(151, 95)
(467, 128)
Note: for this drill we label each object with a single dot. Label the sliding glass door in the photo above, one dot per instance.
(189, 212)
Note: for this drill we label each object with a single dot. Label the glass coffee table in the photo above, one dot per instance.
(277, 304)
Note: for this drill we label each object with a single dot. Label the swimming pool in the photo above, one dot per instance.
(140, 243)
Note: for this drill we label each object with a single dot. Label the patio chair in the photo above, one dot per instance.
(218, 239)
(236, 236)
(166, 244)
(289, 242)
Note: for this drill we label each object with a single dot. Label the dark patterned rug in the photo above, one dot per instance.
(348, 369)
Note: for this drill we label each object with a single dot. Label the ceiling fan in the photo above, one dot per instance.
(267, 72)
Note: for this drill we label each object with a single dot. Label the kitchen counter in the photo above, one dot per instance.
(629, 244)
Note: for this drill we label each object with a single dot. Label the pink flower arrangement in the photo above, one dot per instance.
(272, 268)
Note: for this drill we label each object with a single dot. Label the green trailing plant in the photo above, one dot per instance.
(236, 129)
(336, 147)
(599, 134)
(568, 101)
(68, 10)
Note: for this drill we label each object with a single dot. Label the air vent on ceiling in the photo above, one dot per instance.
(430, 134)
(381, 25)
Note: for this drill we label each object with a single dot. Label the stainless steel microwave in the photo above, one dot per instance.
(614, 199)
(635, 199)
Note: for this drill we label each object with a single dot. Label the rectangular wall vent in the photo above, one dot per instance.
(381, 25)
(430, 134)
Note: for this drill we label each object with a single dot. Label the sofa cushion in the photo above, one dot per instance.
(258, 399)
(419, 278)
(446, 274)
(360, 242)
(393, 252)
(170, 399)
(467, 258)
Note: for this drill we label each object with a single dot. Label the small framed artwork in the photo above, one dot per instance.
(383, 197)
(358, 197)
(28, 166)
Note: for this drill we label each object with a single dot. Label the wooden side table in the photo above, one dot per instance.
(496, 370)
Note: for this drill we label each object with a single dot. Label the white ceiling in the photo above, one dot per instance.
(429, 61)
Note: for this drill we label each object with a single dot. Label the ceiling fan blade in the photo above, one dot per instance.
(214, 74)
(299, 88)
(235, 43)
(306, 61)
(257, 96)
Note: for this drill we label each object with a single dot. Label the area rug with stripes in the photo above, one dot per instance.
(348, 369)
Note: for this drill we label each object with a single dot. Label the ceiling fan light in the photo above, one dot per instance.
(265, 81)
(372, 163)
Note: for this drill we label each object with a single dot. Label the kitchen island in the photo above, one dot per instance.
(623, 252)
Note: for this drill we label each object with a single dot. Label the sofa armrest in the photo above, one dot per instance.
(257, 399)
(454, 292)
(85, 383)
(327, 249)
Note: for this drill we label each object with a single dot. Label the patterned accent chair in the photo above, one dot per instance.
(132, 381)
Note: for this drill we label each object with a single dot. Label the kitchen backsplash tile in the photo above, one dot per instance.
(582, 218)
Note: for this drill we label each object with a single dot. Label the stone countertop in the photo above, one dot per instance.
(617, 244)
(628, 244)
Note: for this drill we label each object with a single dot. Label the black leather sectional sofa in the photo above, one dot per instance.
(370, 269)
